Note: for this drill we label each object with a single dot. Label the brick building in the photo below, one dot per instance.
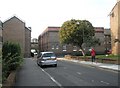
(107, 39)
(34, 45)
(0, 34)
(14, 30)
(49, 41)
(115, 28)
(99, 33)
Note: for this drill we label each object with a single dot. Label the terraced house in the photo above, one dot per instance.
(0, 34)
(115, 28)
(49, 41)
(15, 30)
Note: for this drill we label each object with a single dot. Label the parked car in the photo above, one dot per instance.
(47, 58)
(108, 52)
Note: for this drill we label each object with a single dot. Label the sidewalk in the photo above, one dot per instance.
(101, 65)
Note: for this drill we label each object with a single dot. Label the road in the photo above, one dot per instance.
(66, 74)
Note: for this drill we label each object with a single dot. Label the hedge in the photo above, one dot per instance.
(11, 58)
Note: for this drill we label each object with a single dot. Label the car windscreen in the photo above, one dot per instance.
(49, 55)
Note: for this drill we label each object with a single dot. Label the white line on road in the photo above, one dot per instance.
(105, 82)
(79, 73)
(92, 80)
(52, 78)
(65, 68)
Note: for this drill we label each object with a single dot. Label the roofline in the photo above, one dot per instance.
(98, 27)
(113, 8)
(60, 27)
(47, 52)
(53, 27)
(12, 18)
(28, 28)
(48, 30)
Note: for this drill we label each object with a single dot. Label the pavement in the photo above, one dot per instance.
(96, 64)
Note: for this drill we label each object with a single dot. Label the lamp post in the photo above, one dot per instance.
(82, 32)
(82, 39)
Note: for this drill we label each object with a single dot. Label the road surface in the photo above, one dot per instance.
(65, 74)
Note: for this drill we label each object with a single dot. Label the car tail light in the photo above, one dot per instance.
(53, 58)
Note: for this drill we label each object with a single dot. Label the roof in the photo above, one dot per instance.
(28, 28)
(1, 23)
(114, 7)
(51, 28)
(12, 18)
(99, 29)
(46, 52)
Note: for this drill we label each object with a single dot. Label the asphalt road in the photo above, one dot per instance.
(66, 74)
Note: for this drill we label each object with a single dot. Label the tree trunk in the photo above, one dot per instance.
(83, 52)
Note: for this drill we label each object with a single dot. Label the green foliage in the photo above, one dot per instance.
(108, 56)
(12, 59)
(92, 42)
(75, 32)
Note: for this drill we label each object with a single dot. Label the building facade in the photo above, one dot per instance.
(115, 28)
(14, 30)
(0, 34)
(49, 41)
(27, 42)
(99, 34)
(107, 39)
(34, 45)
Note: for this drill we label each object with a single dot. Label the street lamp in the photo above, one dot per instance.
(83, 45)
(82, 32)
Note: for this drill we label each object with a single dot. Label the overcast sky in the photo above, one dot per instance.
(39, 14)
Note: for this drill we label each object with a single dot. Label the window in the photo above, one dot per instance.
(53, 47)
(64, 48)
(57, 46)
(112, 14)
(48, 55)
(74, 48)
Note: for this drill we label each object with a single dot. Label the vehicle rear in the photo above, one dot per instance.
(47, 58)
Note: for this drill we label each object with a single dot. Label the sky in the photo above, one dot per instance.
(39, 14)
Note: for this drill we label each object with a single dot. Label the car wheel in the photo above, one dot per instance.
(41, 66)
(38, 63)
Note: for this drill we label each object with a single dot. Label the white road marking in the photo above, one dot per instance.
(65, 68)
(42, 70)
(52, 78)
(92, 80)
(79, 73)
(105, 82)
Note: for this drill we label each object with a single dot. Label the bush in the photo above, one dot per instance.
(11, 58)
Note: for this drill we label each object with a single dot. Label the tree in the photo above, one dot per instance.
(76, 32)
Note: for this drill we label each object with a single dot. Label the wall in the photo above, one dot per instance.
(119, 26)
(115, 28)
(27, 42)
(49, 41)
(14, 31)
(0, 35)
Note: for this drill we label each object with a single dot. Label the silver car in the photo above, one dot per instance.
(46, 58)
